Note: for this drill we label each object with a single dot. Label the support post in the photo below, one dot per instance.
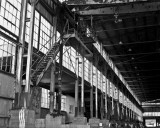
(96, 94)
(60, 79)
(106, 92)
(91, 91)
(53, 66)
(21, 50)
(102, 105)
(82, 88)
(30, 48)
(76, 86)
(52, 87)
(118, 101)
(113, 91)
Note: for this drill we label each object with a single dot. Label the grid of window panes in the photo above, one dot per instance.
(104, 84)
(69, 58)
(45, 35)
(66, 61)
(151, 114)
(36, 29)
(45, 98)
(10, 15)
(63, 103)
(94, 76)
(110, 89)
(7, 55)
(99, 84)
(86, 70)
(28, 23)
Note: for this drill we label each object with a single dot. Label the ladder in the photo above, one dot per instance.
(43, 65)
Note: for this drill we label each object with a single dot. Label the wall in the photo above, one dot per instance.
(7, 83)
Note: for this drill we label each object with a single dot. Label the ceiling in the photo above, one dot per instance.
(132, 39)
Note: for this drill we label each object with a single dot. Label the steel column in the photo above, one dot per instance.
(106, 91)
(82, 88)
(91, 91)
(53, 66)
(113, 91)
(102, 105)
(52, 87)
(30, 47)
(96, 94)
(21, 48)
(76, 86)
(60, 79)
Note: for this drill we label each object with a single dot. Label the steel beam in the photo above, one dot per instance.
(124, 9)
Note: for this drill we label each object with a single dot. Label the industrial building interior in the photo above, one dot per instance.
(79, 63)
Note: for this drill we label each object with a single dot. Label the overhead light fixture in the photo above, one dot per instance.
(129, 49)
(120, 42)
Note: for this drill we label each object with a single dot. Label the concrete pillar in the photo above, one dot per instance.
(21, 49)
(30, 52)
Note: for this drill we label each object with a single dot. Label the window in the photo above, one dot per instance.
(7, 55)
(63, 103)
(45, 35)
(71, 109)
(10, 15)
(45, 98)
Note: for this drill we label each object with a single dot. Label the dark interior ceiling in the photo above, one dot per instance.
(133, 43)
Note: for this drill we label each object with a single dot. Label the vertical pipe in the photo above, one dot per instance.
(52, 86)
(82, 88)
(21, 49)
(91, 91)
(30, 48)
(96, 94)
(77, 84)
